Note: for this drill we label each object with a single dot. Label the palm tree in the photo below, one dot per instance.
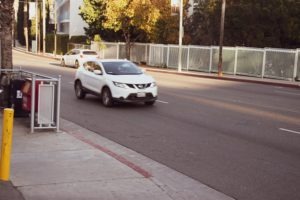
(6, 21)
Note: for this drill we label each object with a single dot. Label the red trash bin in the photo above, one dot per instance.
(26, 99)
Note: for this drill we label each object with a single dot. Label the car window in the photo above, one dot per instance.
(121, 68)
(69, 53)
(89, 53)
(97, 67)
(89, 66)
(76, 52)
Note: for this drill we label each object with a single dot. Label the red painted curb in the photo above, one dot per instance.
(120, 158)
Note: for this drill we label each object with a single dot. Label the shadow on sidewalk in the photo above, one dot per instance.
(9, 192)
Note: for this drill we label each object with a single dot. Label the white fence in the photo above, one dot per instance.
(258, 62)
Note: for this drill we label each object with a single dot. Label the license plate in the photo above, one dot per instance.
(141, 94)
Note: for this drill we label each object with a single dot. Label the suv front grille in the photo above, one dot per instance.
(139, 86)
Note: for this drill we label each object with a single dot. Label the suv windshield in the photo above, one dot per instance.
(121, 68)
(89, 53)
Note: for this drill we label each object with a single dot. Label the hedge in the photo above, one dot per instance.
(62, 43)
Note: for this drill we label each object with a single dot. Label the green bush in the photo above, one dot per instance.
(62, 43)
(79, 39)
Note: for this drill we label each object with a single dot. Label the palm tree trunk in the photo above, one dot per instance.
(6, 19)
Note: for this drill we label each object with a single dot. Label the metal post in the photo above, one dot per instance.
(210, 59)
(188, 59)
(55, 29)
(0, 55)
(7, 132)
(58, 103)
(44, 26)
(150, 54)
(36, 24)
(180, 35)
(33, 78)
(168, 57)
(220, 73)
(295, 65)
(118, 50)
(263, 65)
(235, 60)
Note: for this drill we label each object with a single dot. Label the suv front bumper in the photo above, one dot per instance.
(133, 95)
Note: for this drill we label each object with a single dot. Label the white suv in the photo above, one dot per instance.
(114, 81)
(73, 57)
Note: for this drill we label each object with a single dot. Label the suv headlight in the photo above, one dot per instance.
(121, 85)
(153, 84)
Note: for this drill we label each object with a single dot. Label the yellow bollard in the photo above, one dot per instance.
(7, 132)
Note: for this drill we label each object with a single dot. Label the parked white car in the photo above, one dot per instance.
(114, 81)
(73, 57)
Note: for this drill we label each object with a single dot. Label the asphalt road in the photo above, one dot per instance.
(241, 139)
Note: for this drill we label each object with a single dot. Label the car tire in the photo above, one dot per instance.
(149, 103)
(63, 64)
(79, 92)
(76, 64)
(106, 98)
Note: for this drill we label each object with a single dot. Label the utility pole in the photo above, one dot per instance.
(25, 21)
(181, 30)
(220, 73)
(44, 26)
(36, 24)
(55, 29)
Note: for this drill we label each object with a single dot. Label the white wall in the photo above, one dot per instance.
(76, 22)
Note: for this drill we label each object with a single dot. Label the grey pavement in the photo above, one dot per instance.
(79, 164)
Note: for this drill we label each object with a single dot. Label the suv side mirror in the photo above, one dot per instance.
(98, 72)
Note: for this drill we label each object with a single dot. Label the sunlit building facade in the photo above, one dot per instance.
(68, 19)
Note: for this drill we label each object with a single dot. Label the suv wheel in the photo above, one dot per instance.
(63, 64)
(106, 98)
(76, 64)
(80, 94)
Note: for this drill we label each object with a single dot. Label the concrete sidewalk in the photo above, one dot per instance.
(78, 164)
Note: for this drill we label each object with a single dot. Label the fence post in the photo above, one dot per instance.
(263, 65)
(235, 60)
(295, 65)
(168, 56)
(188, 59)
(7, 131)
(162, 55)
(146, 52)
(118, 50)
(210, 59)
(58, 103)
(33, 78)
(150, 54)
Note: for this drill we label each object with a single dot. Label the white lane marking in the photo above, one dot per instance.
(292, 93)
(162, 101)
(287, 130)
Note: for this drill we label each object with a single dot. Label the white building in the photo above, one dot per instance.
(68, 19)
(193, 4)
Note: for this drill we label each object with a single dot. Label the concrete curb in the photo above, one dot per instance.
(227, 78)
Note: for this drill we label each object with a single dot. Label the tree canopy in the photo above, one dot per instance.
(257, 23)
(135, 19)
